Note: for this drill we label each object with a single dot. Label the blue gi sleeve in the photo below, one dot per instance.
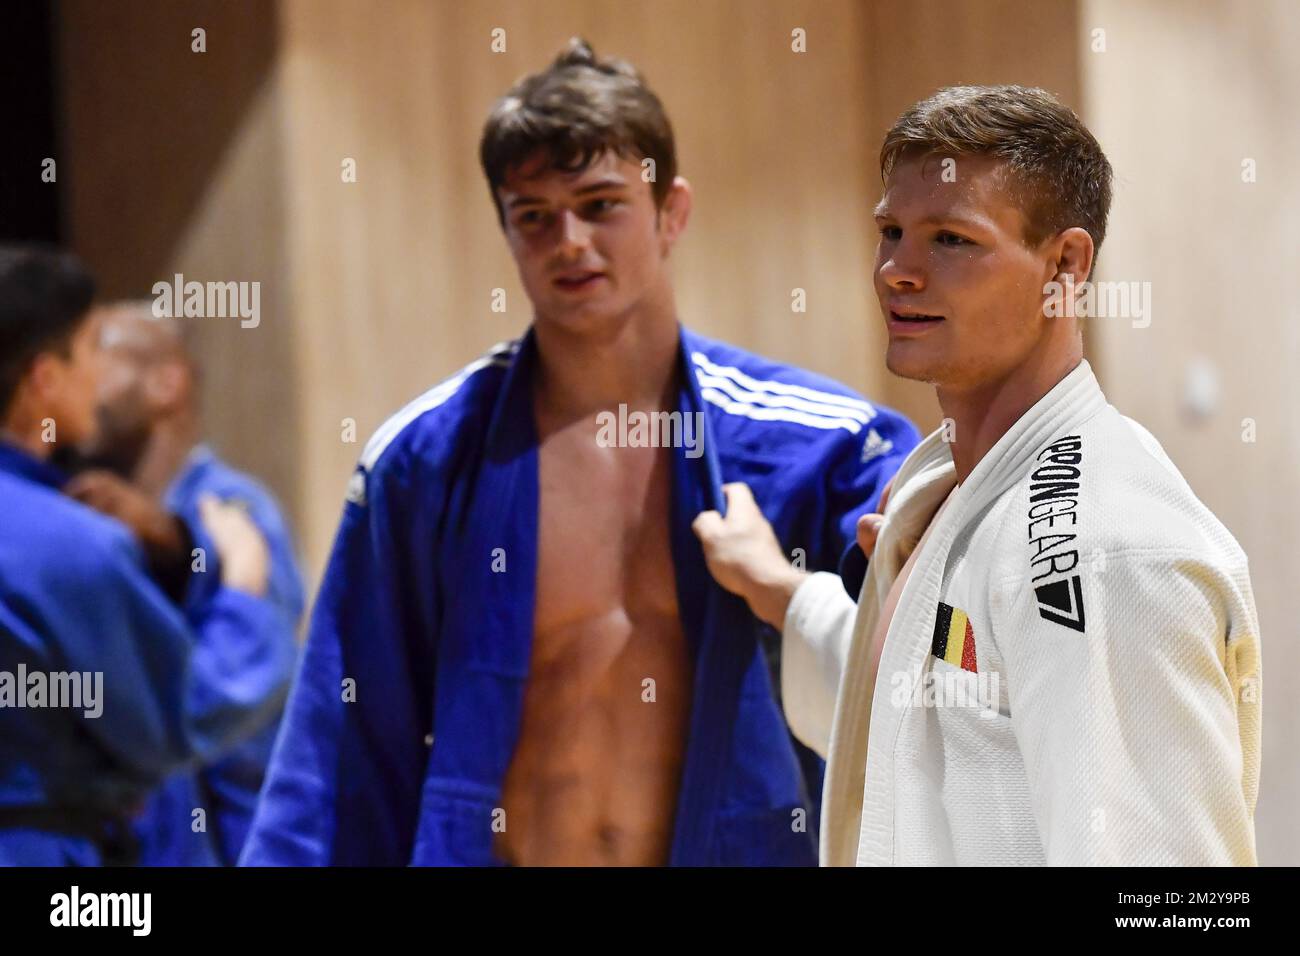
(855, 478)
(170, 695)
(202, 586)
(344, 783)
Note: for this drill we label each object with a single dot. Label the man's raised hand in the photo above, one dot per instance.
(744, 556)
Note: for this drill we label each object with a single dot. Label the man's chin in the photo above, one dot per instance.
(586, 317)
(912, 361)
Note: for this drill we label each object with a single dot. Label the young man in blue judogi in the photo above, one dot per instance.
(518, 655)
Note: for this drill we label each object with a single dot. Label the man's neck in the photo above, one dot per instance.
(27, 433)
(169, 445)
(983, 414)
(581, 375)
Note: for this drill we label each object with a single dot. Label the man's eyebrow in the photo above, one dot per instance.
(607, 182)
(952, 218)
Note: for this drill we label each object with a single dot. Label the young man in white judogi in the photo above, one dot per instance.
(1055, 654)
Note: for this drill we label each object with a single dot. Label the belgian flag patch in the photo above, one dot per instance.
(954, 640)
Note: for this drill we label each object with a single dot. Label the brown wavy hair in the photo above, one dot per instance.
(1057, 168)
(571, 113)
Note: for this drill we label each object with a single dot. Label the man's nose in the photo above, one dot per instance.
(575, 234)
(902, 267)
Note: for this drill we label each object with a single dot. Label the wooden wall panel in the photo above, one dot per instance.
(171, 161)
(1181, 96)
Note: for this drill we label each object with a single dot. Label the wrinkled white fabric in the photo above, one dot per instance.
(1108, 708)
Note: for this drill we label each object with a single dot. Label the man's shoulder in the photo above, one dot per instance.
(1131, 499)
(751, 394)
(217, 476)
(46, 533)
(715, 357)
(1101, 509)
(425, 430)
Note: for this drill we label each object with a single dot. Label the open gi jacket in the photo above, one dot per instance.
(407, 707)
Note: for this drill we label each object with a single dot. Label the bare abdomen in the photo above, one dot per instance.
(594, 777)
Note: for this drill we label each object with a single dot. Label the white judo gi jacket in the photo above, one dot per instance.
(1071, 675)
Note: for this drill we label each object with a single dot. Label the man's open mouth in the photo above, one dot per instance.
(914, 317)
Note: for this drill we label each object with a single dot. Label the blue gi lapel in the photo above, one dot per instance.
(499, 509)
(498, 527)
(717, 624)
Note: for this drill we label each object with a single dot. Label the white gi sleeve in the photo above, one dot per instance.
(815, 643)
(1141, 732)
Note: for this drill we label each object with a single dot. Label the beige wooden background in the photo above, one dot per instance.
(225, 165)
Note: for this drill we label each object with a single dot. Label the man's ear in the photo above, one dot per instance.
(1072, 253)
(44, 375)
(674, 213)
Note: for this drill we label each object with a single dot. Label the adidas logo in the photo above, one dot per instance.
(875, 446)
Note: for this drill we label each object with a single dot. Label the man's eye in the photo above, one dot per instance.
(598, 207)
(529, 217)
(892, 233)
(950, 239)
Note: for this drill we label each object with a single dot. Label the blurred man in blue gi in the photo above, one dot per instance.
(104, 686)
(145, 464)
(518, 655)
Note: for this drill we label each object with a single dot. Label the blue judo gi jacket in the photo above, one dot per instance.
(76, 599)
(406, 710)
(227, 790)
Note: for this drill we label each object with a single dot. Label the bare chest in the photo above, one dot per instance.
(604, 550)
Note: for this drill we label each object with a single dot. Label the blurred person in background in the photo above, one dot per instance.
(144, 465)
(105, 688)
